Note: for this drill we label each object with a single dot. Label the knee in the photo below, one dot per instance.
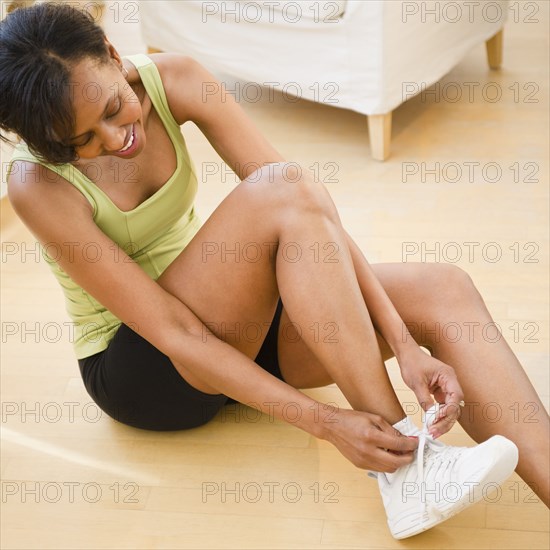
(291, 189)
(451, 285)
(449, 296)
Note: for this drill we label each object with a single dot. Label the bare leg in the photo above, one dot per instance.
(489, 372)
(297, 219)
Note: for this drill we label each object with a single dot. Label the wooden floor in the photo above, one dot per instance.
(74, 479)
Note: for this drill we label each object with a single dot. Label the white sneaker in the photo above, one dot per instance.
(442, 480)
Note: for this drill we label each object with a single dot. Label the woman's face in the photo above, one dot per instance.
(108, 112)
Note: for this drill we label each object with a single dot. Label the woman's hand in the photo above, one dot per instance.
(427, 376)
(369, 442)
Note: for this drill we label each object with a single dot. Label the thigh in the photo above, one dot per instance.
(416, 290)
(423, 294)
(226, 274)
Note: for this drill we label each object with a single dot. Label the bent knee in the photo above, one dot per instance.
(449, 283)
(291, 189)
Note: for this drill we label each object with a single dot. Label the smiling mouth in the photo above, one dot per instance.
(129, 143)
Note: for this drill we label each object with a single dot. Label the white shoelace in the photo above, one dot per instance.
(425, 437)
(446, 456)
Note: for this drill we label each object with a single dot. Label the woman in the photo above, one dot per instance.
(163, 305)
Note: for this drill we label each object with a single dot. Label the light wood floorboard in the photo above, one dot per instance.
(138, 489)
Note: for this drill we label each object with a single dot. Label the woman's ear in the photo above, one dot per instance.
(112, 51)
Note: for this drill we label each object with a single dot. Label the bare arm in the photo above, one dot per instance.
(194, 94)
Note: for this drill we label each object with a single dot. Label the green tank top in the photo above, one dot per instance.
(152, 234)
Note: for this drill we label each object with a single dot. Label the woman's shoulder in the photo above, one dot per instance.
(170, 64)
(30, 183)
(183, 80)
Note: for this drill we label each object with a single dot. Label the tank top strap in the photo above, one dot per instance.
(154, 86)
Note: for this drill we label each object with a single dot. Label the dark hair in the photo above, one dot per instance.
(38, 47)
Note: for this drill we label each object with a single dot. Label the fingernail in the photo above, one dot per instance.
(413, 436)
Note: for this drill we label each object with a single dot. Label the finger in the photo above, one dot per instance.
(394, 443)
(424, 397)
(453, 399)
(442, 426)
(447, 390)
(453, 390)
(388, 462)
(391, 439)
(439, 395)
(383, 425)
(447, 419)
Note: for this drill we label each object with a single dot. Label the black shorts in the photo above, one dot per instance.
(136, 384)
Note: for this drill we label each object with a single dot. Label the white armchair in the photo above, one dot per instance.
(364, 55)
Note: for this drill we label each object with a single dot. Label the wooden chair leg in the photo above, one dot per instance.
(380, 135)
(150, 49)
(494, 50)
